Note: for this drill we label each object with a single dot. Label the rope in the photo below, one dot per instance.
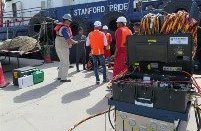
(194, 82)
(88, 118)
(121, 74)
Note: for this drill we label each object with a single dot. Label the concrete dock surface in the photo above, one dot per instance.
(55, 106)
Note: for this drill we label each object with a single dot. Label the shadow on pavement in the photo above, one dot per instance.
(79, 94)
(72, 73)
(36, 93)
(89, 74)
(101, 106)
(10, 87)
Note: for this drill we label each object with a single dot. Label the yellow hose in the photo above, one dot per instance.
(88, 118)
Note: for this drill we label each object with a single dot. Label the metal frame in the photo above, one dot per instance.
(16, 54)
(154, 113)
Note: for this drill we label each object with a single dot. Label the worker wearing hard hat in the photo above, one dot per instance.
(63, 42)
(120, 53)
(107, 52)
(97, 41)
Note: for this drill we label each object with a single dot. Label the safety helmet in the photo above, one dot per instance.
(105, 27)
(121, 19)
(67, 17)
(97, 24)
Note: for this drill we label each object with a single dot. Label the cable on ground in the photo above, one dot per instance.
(88, 118)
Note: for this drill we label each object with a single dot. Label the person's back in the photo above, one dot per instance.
(97, 41)
(96, 38)
(107, 52)
(121, 35)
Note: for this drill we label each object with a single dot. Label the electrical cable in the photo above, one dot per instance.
(199, 118)
(121, 74)
(194, 82)
(196, 118)
(88, 118)
(197, 114)
(110, 118)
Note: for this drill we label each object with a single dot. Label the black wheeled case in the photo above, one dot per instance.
(171, 99)
(144, 93)
(162, 53)
(168, 56)
(124, 92)
(20, 72)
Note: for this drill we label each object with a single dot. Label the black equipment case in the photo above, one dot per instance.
(124, 92)
(20, 72)
(154, 58)
(171, 99)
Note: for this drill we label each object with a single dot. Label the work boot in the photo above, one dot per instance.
(77, 66)
(84, 67)
(71, 66)
(105, 80)
(97, 82)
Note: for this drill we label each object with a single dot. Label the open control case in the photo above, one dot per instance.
(159, 76)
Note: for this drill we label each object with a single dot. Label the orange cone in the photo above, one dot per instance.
(3, 82)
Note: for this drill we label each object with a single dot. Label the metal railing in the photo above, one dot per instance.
(23, 15)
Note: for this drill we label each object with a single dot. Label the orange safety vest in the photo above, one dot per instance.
(109, 40)
(125, 32)
(96, 39)
(59, 26)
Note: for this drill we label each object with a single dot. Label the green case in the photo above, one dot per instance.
(20, 72)
(38, 76)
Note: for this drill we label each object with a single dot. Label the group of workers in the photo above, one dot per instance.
(99, 41)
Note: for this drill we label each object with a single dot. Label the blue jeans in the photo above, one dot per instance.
(101, 59)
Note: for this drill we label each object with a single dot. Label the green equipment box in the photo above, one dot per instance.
(20, 72)
(38, 76)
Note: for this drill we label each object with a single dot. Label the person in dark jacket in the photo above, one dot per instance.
(80, 49)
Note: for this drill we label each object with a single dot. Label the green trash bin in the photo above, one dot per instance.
(38, 76)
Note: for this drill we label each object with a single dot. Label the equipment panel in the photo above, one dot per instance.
(131, 122)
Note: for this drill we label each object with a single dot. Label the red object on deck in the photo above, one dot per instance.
(3, 82)
(47, 59)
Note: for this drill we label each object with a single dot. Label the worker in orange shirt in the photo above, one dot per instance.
(120, 55)
(107, 52)
(97, 41)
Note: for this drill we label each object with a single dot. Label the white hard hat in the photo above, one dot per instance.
(56, 21)
(105, 27)
(97, 24)
(67, 17)
(121, 19)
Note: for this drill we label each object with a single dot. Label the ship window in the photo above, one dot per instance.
(8, 0)
(14, 8)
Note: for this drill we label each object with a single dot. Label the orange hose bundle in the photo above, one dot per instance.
(174, 23)
(165, 23)
(150, 24)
